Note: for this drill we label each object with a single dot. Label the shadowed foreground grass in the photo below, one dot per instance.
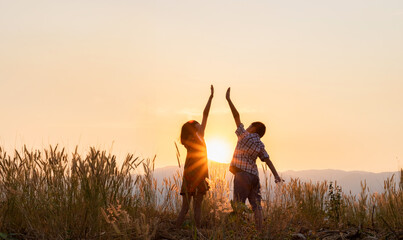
(51, 194)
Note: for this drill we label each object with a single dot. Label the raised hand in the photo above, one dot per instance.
(227, 95)
(235, 113)
(206, 112)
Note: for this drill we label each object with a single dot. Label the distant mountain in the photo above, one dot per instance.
(349, 181)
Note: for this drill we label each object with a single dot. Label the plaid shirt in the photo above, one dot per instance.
(248, 148)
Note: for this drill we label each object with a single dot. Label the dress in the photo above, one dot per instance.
(196, 168)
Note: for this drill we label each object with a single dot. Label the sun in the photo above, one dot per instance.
(218, 150)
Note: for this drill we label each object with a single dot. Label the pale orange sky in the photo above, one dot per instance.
(325, 77)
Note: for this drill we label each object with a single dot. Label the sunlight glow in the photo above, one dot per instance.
(218, 150)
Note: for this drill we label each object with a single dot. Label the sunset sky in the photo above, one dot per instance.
(326, 77)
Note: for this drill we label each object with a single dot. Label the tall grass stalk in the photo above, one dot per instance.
(51, 194)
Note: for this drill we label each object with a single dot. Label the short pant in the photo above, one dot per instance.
(247, 186)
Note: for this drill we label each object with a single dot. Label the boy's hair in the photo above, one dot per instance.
(260, 128)
(188, 131)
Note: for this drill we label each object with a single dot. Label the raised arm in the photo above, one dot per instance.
(206, 112)
(235, 113)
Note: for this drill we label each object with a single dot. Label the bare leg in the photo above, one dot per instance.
(258, 219)
(184, 210)
(197, 202)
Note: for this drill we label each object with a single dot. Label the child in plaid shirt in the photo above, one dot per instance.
(243, 165)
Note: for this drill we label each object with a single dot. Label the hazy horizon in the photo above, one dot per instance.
(292, 170)
(325, 77)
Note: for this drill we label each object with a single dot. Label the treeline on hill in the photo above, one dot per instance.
(51, 194)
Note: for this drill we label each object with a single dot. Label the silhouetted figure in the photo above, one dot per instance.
(243, 165)
(195, 172)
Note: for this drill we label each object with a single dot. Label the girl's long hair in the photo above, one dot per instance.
(188, 132)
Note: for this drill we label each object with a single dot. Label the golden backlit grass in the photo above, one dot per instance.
(51, 194)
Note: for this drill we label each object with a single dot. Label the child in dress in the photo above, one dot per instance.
(195, 172)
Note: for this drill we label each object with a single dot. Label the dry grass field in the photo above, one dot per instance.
(53, 194)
